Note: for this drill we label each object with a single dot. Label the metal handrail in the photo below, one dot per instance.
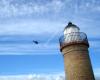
(73, 37)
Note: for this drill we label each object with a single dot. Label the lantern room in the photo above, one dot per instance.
(72, 35)
(71, 28)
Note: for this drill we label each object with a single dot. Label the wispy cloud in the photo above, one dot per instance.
(28, 26)
(97, 73)
(22, 8)
(23, 44)
(34, 77)
(11, 8)
(54, 76)
(45, 30)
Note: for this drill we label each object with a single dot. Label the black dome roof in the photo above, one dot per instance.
(70, 24)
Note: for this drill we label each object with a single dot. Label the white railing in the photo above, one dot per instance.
(73, 37)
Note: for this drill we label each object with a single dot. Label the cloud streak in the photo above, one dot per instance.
(11, 8)
(34, 77)
(23, 44)
(29, 26)
(22, 8)
(46, 30)
(54, 76)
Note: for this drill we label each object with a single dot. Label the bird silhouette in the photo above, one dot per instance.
(36, 42)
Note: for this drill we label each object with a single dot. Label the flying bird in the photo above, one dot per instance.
(36, 42)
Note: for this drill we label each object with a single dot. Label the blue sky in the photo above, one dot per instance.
(22, 21)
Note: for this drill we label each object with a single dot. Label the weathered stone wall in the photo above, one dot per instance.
(77, 62)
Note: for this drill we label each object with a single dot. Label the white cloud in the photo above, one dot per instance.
(54, 76)
(30, 27)
(42, 31)
(19, 49)
(8, 9)
(34, 77)
(97, 72)
(45, 27)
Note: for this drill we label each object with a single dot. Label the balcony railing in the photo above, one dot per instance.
(74, 37)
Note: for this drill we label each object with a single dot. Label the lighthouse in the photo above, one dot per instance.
(74, 47)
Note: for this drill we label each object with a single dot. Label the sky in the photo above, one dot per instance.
(22, 21)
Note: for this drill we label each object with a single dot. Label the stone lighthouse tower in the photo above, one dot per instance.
(74, 47)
